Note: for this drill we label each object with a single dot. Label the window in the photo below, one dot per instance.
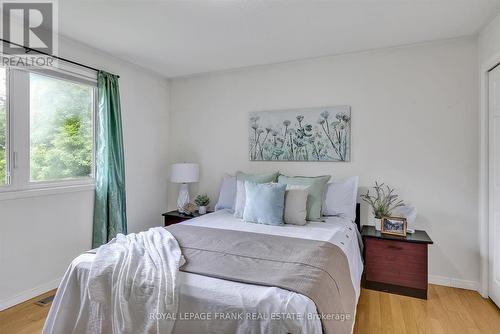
(61, 131)
(50, 119)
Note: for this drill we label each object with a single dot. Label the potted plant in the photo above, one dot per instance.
(202, 201)
(382, 203)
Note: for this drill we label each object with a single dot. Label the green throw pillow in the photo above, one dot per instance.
(257, 178)
(317, 188)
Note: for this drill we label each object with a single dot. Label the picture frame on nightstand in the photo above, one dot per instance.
(393, 226)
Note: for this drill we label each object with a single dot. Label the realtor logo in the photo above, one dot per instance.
(30, 24)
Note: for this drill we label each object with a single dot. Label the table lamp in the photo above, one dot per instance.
(184, 173)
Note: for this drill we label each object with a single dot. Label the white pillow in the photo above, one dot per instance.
(227, 193)
(340, 198)
(296, 204)
(408, 211)
(239, 204)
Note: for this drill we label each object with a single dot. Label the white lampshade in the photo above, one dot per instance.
(184, 173)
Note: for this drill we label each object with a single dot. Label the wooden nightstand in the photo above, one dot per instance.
(174, 217)
(396, 264)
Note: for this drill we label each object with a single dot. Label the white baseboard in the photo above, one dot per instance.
(454, 282)
(28, 294)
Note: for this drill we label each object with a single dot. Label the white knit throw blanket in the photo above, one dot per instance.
(135, 278)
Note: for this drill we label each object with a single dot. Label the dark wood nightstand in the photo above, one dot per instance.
(396, 264)
(174, 217)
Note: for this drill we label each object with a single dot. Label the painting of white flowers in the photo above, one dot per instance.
(314, 134)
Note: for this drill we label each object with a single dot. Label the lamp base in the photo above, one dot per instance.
(183, 198)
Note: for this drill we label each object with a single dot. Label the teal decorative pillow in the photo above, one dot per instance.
(265, 203)
(239, 203)
(317, 188)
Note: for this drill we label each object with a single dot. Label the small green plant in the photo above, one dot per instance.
(202, 200)
(383, 201)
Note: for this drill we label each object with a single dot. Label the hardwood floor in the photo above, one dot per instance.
(25, 318)
(448, 310)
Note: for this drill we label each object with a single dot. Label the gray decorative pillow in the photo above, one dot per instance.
(296, 204)
(317, 187)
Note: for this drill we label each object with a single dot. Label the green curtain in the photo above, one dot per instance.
(110, 216)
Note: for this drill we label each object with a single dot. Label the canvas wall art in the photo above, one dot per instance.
(309, 134)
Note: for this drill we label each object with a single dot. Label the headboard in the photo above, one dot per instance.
(358, 216)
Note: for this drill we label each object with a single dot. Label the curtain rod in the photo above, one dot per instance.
(27, 50)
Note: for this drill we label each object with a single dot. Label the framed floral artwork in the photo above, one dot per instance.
(308, 134)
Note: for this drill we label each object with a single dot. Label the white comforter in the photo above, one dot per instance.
(211, 305)
(131, 278)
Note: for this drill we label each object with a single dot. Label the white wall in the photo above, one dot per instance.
(414, 126)
(489, 41)
(39, 236)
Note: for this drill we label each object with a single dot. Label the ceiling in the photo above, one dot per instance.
(178, 38)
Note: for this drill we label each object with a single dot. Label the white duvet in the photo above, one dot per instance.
(211, 305)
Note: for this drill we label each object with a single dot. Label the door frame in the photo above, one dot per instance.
(484, 197)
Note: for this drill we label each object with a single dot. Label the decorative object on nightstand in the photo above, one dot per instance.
(393, 226)
(189, 209)
(382, 203)
(396, 264)
(174, 217)
(184, 173)
(202, 201)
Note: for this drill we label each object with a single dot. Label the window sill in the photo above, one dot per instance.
(41, 192)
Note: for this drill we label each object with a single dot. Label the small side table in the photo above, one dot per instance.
(396, 264)
(174, 217)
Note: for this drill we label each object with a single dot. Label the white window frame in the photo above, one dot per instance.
(19, 183)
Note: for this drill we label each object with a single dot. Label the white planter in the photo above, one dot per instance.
(374, 222)
(202, 210)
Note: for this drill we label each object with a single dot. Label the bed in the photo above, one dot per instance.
(214, 305)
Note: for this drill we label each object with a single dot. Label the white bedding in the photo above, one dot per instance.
(232, 307)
